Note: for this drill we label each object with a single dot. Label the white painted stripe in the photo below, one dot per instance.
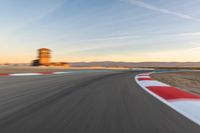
(144, 77)
(188, 107)
(61, 72)
(147, 83)
(25, 74)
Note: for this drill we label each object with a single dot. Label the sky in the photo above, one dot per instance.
(100, 30)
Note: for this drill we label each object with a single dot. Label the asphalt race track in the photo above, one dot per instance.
(89, 102)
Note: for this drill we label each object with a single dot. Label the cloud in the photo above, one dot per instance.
(162, 10)
(111, 38)
(44, 12)
(50, 10)
(190, 34)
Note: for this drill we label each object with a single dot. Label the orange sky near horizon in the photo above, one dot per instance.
(184, 55)
(102, 30)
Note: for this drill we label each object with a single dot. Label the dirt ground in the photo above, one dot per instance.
(188, 81)
(28, 69)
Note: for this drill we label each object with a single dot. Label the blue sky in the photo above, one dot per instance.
(100, 30)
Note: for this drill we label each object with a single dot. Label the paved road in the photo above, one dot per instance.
(101, 102)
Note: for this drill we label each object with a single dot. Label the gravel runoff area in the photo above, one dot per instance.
(188, 81)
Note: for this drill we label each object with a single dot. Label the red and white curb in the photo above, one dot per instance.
(183, 102)
(32, 74)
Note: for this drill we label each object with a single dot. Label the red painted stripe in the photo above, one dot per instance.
(4, 74)
(140, 79)
(170, 93)
(46, 73)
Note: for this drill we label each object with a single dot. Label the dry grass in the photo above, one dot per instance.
(188, 81)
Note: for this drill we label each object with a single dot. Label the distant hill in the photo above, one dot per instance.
(136, 64)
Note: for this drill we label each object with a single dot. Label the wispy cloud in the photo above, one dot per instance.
(50, 10)
(190, 34)
(112, 38)
(38, 16)
(149, 6)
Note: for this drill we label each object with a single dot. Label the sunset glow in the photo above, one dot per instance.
(114, 30)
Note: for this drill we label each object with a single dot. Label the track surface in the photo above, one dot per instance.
(105, 102)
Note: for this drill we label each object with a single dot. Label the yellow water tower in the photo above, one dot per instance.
(44, 56)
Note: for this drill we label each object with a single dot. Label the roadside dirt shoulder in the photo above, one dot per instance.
(188, 81)
(4, 70)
